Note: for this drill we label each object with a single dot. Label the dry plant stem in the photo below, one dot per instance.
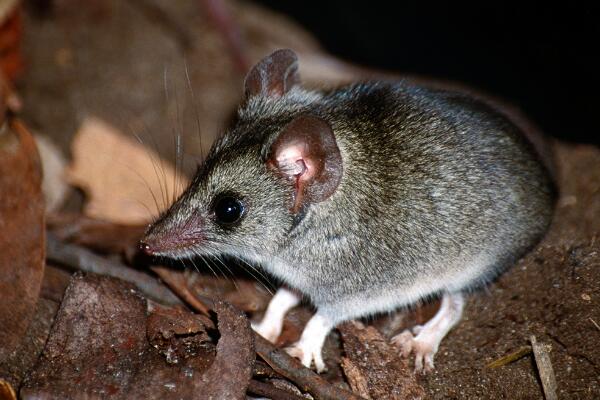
(293, 370)
(79, 258)
(270, 391)
(544, 366)
(509, 358)
(262, 370)
(6, 391)
(180, 288)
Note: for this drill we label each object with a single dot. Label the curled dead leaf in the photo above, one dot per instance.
(125, 181)
(22, 233)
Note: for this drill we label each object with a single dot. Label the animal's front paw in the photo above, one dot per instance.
(423, 350)
(267, 330)
(307, 352)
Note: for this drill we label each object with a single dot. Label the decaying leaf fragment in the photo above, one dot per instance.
(96, 344)
(177, 333)
(374, 368)
(21, 233)
(106, 342)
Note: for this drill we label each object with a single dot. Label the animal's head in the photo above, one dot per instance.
(278, 159)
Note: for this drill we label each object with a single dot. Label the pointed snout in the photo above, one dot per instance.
(166, 238)
(145, 248)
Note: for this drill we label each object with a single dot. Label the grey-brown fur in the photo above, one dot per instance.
(439, 193)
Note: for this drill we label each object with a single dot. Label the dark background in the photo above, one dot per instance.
(542, 58)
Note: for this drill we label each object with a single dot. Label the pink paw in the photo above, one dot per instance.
(422, 349)
(307, 353)
(268, 331)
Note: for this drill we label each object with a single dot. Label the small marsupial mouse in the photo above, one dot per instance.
(362, 199)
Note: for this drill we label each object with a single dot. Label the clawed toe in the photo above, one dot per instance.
(307, 356)
(404, 341)
(422, 350)
(271, 333)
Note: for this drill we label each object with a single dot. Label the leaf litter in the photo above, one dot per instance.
(108, 339)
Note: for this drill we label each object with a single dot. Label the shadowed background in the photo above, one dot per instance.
(542, 57)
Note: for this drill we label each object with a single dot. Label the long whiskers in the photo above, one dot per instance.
(217, 257)
(157, 166)
(198, 254)
(262, 279)
(195, 107)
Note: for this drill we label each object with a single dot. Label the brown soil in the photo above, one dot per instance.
(553, 293)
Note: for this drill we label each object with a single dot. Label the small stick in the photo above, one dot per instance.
(509, 358)
(293, 370)
(270, 391)
(79, 258)
(262, 370)
(595, 323)
(179, 287)
(544, 366)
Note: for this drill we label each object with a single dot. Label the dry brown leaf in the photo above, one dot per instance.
(98, 348)
(6, 391)
(125, 181)
(21, 234)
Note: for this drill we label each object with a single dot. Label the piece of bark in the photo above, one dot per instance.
(544, 366)
(22, 233)
(356, 379)
(230, 374)
(271, 392)
(292, 369)
(375, 366)
(14, 369)
(178, 334)
(94, 346)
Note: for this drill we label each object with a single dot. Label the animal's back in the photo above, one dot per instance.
(435, 185)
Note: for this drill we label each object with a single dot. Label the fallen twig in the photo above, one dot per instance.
(262, 370)
(79, 258)
(595, 323)
(293, 370)
(544, 366)
(177, 284)
(270, 391)
(509, 358)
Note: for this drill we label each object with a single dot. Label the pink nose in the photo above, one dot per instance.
(146, 249)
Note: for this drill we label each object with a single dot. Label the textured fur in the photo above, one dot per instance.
(439, 193)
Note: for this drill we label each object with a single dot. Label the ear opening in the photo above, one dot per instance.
(306, 154)
(273, 76)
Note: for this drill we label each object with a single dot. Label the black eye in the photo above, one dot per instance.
(228, 210)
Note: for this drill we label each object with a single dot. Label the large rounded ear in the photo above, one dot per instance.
(274, 75)
(307, 155)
